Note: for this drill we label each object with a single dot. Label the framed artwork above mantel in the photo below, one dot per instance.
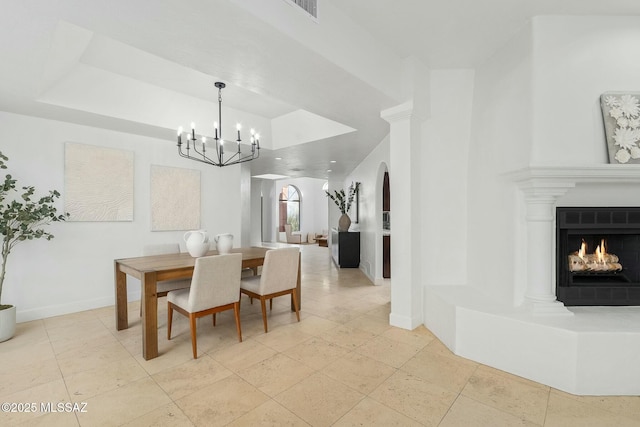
(621, 117)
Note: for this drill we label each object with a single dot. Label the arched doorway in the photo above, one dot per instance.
(383, 225)
(289, 208)
(386, 227)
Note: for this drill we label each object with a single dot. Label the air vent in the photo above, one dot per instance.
(309, 6)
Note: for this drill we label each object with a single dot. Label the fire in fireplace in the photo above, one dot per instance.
(598, 261)
(598, 256)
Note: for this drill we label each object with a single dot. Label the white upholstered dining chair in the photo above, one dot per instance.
(215, 287)
(279, 277)
(292, 236)
(165, 286)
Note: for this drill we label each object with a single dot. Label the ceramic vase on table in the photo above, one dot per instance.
(224, 243)
(344, 222)
(197, 242)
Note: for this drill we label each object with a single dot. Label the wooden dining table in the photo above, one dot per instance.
(153, 269)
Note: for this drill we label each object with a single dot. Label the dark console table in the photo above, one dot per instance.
(345, 248)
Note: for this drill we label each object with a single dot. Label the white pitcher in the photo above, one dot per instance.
(224, 243)
(197, 242)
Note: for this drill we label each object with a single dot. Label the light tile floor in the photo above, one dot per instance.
(342, 365)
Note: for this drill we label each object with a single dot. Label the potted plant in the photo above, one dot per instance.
(343, 201)
(21, 219)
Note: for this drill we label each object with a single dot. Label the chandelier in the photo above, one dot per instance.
(198, 150)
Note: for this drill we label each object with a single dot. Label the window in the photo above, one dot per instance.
(289, 208)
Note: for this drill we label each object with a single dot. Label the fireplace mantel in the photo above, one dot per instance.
(542, 186)
(595, 174)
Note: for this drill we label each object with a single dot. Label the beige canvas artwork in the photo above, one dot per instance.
(98, 183)
(175, 198)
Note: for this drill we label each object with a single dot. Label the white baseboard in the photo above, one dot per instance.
(404, 322)
(72, 307)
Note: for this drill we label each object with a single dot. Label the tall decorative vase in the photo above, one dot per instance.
(344, 223)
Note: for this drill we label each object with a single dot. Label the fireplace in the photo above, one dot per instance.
(598, 256)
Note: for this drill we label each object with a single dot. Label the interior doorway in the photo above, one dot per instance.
(289, 208)
(386, 227)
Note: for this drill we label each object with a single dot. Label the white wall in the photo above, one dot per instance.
(446, 137)
(536, 102)
(256, 214)
(370, 218)
(246, 211)
(576, 60)
(313, 209)
(269, 199)
(74, 271)
(500, 142)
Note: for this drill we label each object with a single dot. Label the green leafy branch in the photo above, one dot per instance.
(344, 200)
(24, 217)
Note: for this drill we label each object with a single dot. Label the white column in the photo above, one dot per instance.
(404, 178)
(540, 217)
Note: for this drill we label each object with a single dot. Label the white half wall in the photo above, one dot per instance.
(593, 352)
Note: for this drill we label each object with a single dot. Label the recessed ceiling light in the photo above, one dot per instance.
(278, 158)
(328, 170)
(332, 161)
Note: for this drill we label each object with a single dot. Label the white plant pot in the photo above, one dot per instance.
(7, 323)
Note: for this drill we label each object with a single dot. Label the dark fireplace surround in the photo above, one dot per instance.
(620, 227)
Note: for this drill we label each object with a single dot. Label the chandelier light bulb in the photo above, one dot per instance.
(179, 136)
